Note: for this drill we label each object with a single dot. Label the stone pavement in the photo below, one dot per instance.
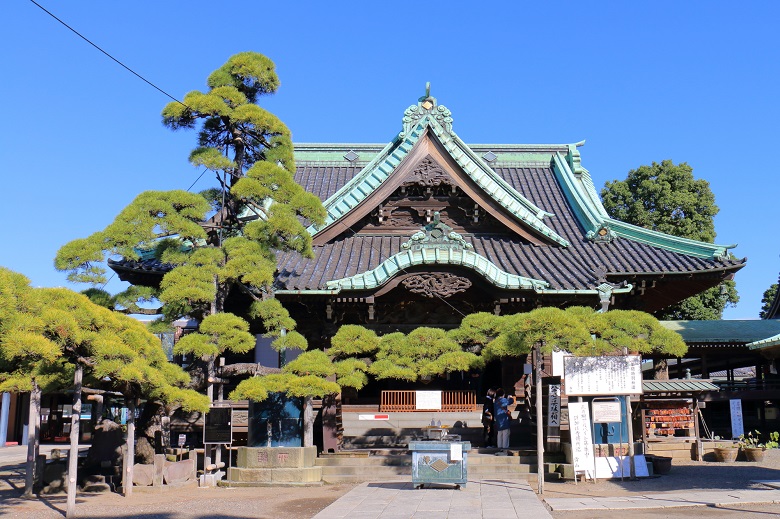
(488, 499)
(666, 500)
(505, 499)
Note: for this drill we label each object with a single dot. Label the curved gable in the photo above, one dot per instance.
(427, 133)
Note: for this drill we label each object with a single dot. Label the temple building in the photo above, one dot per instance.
(427, 229)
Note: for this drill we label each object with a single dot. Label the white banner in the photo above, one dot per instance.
(609, 375)
(428, 400)
(554, 406)
(737, 427)
(581, 437)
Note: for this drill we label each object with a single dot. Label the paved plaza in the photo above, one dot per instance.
(490, 498)
(735, 490)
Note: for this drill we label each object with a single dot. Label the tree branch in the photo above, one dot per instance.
(247, 368)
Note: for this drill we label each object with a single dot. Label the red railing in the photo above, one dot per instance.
(406, 401)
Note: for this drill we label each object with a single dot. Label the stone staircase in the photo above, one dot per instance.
(363, 465)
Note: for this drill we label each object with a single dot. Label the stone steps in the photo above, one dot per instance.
(397, 464)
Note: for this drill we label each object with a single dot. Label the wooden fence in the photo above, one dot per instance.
(406, 401)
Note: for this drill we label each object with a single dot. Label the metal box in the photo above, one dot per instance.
(432, 463)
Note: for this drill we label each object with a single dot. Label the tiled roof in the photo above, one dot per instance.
(564, 268)
(677, 386)
(725, 331)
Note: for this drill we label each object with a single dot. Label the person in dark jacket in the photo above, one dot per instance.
(488, 423)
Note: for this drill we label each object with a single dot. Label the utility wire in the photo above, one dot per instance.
(139, 76)
(77, 33)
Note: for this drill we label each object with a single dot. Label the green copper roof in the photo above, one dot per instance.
(417, 119)
(678, 386)
(581, 194)
(748, 331)
(769, 342)
(401, 261)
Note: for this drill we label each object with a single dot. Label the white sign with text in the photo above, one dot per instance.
(581, 437)
(609, 375)
(607, 412)
(428, 400)
(737, 427)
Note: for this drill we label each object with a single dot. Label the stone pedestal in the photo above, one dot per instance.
(260, 466)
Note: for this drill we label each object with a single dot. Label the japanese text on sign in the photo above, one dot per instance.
(618, 375)
(737, 427)
(427, 399)
(581, 438)
(554, 406)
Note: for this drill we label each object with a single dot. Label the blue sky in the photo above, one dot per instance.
(692, 82)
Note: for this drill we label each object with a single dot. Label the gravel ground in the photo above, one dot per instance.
(183, 503)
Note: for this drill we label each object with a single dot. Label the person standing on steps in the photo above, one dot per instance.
(488, 422)
(503, 418)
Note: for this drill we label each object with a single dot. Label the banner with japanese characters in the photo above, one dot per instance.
(581, 437)
(554, 406)
(737, 426)
(608, 375)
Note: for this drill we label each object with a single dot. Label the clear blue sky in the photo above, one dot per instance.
(693, 82)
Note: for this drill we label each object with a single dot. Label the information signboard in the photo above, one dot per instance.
(737, 427)
(581, 437)
(428, 400)
(554, 406)
(606, 412)
(218, 426)
(608, 375)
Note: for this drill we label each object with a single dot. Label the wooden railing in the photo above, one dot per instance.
(406, 401)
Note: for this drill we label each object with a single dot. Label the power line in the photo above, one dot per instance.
(77, 33)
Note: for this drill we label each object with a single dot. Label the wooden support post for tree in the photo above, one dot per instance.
(127, 482)
(73, 457)
(539, 421)
(33, 434)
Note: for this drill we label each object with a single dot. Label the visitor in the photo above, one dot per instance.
(502, 418)
(488, 422)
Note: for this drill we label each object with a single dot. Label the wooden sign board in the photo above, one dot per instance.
(554, 406)
(608, 375)
(218, 426)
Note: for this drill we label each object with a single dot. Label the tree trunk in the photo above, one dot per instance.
(308, 422)
(73, 457)
(660, 369)
(33, 435)
(127, 483)
(150, 438)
